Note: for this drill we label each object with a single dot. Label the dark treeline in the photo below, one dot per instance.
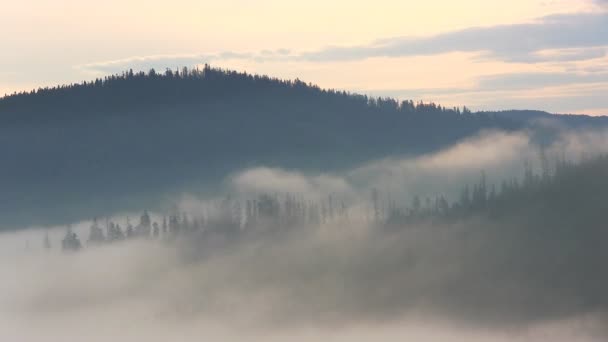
(231, 218)
(559, 193)
(561, 197)
(195, 85)
(88, 147)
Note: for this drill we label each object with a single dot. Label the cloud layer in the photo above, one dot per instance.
(474, 280)
(555, 38)
(511, 43)
(468, 282)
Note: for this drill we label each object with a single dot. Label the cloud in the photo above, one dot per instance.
(556, 38)
(269, 180)
(518, 81)
(601, 2)
(472, 280)
(442, 172)
(497, 153)
(500, 155)
(511, 43)
(462, 282)
(566, 55)
(161, 62)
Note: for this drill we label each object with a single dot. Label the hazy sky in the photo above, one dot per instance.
(543, 54)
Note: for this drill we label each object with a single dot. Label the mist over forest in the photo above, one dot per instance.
(213, 204)
(126, 141)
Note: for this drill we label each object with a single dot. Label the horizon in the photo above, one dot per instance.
(308, 83)
(404, 50)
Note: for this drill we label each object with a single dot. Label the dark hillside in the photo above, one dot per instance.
(114, 141)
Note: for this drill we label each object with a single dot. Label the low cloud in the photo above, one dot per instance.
(499, 155)
(510, 43)
(464, 282)
(268, 180)
(472, 280)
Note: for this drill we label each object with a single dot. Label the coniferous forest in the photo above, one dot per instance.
(508, 239)
(529, 201)
(204, 195)
(137, 135)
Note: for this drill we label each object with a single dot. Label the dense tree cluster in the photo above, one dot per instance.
(211, 84)
(564, 194)
(559, 194)
(230, 217)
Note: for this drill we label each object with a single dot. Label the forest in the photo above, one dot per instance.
(522, 251)
(563, 197)
(132, 137)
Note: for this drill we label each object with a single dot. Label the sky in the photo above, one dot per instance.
(518, 54)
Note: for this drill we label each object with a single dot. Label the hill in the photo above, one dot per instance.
(130, 138)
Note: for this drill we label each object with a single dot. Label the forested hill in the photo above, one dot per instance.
(74, 150)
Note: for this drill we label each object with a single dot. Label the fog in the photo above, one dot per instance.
(499, 155)
(344, 280)
(427, 284)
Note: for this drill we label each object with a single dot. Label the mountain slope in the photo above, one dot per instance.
(121, 142)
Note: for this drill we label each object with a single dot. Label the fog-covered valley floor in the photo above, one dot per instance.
(457, 283)
(356, 256)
